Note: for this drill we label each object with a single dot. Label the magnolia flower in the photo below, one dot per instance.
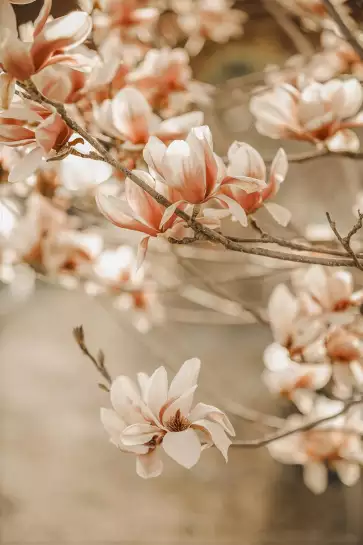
(132, 18)
(319, 450)
(138, 211)
(21, 61)
(129, 117)
(320, 113)
(295, 381)
(245, 161)
(204, 20)
(195, 175)
(150, 416)
(345, 351)
(39, 130)
(7, 14)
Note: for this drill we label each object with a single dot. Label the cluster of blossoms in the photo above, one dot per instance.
(318, 349)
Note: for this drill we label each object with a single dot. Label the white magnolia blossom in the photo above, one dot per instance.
(149, 416)
(325, 447)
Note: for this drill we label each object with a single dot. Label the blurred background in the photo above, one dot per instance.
(61, 481)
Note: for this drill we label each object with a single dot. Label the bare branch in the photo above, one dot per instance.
(256, 443)
(345, 241)
(344, 27)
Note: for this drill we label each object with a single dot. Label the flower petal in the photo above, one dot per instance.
(279, 213)
(203, 411)
(218, 435)
(7, 90)
(156, 393)
(236, 209)
(282, 310)
(344, 140)
(244, 160)
(348, 472)
(149, 465)
(316, 477)
(27, 165)
(185, 379)
(183, 446)
(138, 434)
(182, 404)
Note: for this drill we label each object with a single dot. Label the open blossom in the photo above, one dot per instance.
(50, 42)
(203, 20)
(129, 117)
(320, 113)
(323, 448)
(294, 381)
(195, 175)
(138, 211)
(245, 161)
(152, 416)
(39, 130)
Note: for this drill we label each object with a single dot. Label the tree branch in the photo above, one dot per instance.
(98, 362)
(344, 28)
(345, 241)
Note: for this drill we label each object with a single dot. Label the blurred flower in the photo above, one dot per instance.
(312, 12)
(129, 117)
(203, 20)
(322, 114)
(318, 449)
(150, 415)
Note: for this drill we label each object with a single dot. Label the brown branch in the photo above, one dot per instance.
(198, 228)
(316, 154)
(345, 241)
(344, 28)
(256, 443)
(98, 362)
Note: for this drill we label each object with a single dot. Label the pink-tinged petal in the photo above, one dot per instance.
(182, 404)
(244, 183)
(16, 59)
(142, 251)
(278, 170)
(344, 140)
(48, 132)
(7, 17)
(62, 33)
(203, 411)
(142, 204)
(27, 165)
(316, 477)
(185, 170)
(7, 90)
(183, 447)
(282, 310)
(180, 125)
(303, 399)
(157, 391)
(169, 212)
(15, 134)
(217, 434)
(42, 17)
(132, 115)
(235, 208)
(340, 286)
(154, 157)
(149, 465)
(287, 450)
(203, 136)
(245, 161)
(348, 472)
(22, 2)
(279, 213)
(139, 434)
(119, 212)
(186, 378)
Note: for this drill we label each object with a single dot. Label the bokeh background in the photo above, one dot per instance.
(62, 483)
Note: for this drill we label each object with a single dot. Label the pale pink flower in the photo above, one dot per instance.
(246, 162)
(195, 175)
(129, 117)
(203, 20)
(344, 349)
(138, 211)
(22, 60)
(319, 450)
(320, 113)
(39, 130)
(294, 381)
(132, 18)
(151, 415)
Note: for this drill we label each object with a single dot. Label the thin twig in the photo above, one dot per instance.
(345, 241)
(316, 154)
(256, 443)
(98, 362)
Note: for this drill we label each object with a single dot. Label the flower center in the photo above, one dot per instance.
(177, 422)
